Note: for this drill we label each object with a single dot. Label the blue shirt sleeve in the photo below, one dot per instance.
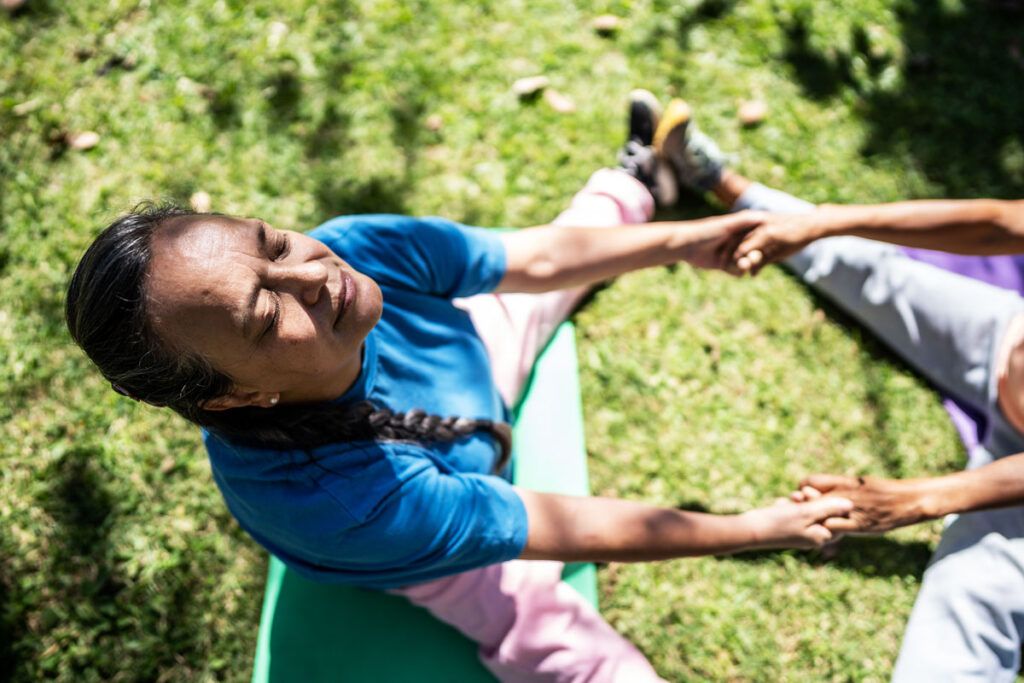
(382, 516)
(437, 524)
(429, 255)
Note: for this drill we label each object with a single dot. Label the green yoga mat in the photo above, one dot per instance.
(315, 632)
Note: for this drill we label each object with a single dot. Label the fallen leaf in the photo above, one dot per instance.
(434, 122)
(531, 85)
(26, 107)
(559, 102)
(83, 140)
(276, 32)
(752, 112)
(200, 202)
(607, 24)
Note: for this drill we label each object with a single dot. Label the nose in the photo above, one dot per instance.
(307, 280)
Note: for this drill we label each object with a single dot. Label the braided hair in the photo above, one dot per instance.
(107, 317)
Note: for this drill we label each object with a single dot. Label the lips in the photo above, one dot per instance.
(345, 298)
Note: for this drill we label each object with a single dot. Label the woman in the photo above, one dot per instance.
(319, 366)
(963, 335)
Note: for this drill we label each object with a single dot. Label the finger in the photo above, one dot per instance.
(797, 497)
(743, 221)
(827, 482)
(751, 241)
(829, 506)
(744, 264)
(818, 534)
(724, 255)
(756, 256)
(841, 525)
(810, 493)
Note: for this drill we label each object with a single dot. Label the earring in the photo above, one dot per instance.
(273, 400)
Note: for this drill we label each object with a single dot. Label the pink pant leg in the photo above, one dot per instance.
(515, 327)
(532, 627)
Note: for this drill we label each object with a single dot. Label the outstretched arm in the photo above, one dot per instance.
(884, 504)
(573, 529)
(553, 257)
(975, 226)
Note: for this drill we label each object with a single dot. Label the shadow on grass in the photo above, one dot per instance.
(12, 621)
(876, 364)
(959, 108)
(869, 556)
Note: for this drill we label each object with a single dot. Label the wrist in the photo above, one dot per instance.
(839, 219)
(932, 498)
(753, 530)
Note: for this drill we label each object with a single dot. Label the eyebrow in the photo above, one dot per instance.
(249, 312)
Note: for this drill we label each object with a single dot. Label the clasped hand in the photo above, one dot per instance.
(746, 241)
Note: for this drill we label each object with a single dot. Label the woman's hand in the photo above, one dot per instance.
(778, 237)
(711, 242)
(797, 525)
(878, 504)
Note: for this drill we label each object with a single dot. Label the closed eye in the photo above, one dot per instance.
(274, 319)
(281, 247)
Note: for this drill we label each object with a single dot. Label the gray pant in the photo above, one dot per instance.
(968, 621)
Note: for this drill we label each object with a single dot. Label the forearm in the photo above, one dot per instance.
(998, 484)
(552, 257)
(978, 226)
(572, 529)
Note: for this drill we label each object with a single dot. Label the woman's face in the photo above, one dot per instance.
(275, 310)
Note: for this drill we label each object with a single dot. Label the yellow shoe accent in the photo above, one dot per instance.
(676, 114)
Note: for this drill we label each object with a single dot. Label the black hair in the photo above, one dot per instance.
(107, 316)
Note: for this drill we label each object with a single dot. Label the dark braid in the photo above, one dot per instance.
(417, 425)
(106, 315)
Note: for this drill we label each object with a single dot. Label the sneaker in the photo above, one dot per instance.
(695, 158)
(637, 156)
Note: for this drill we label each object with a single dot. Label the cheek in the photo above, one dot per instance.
(296, 331)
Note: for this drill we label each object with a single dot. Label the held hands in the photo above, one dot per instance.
(796, 525)
(747, 241)
(776, 237)
(878, 504)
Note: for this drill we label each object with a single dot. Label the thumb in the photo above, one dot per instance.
(754, 240)
(743, 221)
(827, 482)
(829, 506)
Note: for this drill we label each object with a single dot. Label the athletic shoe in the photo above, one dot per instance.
(695, 158)
(638, 158)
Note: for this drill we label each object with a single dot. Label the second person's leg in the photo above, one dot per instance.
(515, 327)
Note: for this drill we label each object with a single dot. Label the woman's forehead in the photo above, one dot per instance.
(202, 261)
(197, 237)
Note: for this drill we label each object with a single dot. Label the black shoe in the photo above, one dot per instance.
(637, 156)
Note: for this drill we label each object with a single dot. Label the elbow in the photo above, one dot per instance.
(544, 273)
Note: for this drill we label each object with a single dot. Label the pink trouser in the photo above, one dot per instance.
(531, 626)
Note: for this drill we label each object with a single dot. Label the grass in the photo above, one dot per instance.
(118, 560)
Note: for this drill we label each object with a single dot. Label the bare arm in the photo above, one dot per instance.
(571, 529)
(975, 226)
(884, 504)
(553, 257)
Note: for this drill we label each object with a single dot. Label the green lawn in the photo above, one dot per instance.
(118, 560)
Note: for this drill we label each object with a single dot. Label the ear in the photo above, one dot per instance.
(239, 398)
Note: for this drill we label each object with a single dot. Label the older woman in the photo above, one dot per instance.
(320, 365)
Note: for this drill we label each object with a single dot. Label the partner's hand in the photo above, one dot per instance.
(797, 525)
(778, 237)
(711, 242)
(879, 504)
